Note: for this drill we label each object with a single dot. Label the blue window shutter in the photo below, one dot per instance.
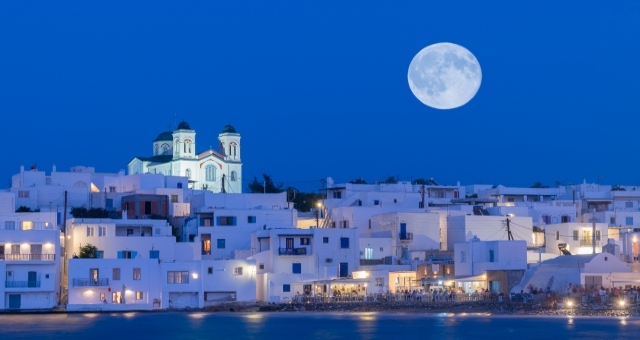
(134, 254)
(119, 254)
(217, 220)
(234, 221)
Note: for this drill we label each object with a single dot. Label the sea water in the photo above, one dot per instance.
(272, 326)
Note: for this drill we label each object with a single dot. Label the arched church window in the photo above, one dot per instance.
(210, 173)
(234, 150)
(155, 149)
(185, 147)
(188, 173)
(233, 176)
(165, 148)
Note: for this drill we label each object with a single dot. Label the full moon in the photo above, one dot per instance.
(444, 76)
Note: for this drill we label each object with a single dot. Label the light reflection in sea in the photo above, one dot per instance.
(623, 322)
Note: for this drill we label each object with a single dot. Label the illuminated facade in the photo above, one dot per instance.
(174, 154)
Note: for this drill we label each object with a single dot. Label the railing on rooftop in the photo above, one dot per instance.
(101, 282)
(292, 251)
(22, 284)
(28, 257)
(587, 241)
(406, 236)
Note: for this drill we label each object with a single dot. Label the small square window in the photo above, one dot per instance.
(139, 295)
(210, 270)
(296, 268)
(46, 276)
(251, 219)
(237, 271)
(261, 266)
(344, 242)
(325, 240)
(286, 288)
(305, 241)
(221, 243)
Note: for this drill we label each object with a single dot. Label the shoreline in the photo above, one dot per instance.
(478, 308)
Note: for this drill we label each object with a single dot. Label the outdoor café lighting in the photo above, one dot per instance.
(569, 303)
(621, 303)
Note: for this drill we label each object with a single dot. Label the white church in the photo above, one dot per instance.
(174, 154)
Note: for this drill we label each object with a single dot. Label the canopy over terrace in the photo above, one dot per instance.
(340, 287)
(471, 283)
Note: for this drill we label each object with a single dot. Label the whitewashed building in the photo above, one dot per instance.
(139, 266)
(412, 234)
(488, 228)
(289, 260)
(174, 154)
(489, 263)
(577, 237)
(30, 261)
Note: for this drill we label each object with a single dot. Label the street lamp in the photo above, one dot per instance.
(319, 205)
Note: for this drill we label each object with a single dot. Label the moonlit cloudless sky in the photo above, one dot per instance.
(319, 88)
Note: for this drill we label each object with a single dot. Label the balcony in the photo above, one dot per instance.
(588, 242)
(103, 282)
(28, 257)
(292, 251)
(406, 236)
(22, 284)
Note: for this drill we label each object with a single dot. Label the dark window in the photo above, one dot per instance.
(376, 202)
(147, 208)
(325, 240)
(296, 268)
(304, 241)
(179, 185)
(286, 288)
(154, 254)
(226, 220)
(251, 219)
(344, 242)
(337, 194)
(221, 244)
(210, 270)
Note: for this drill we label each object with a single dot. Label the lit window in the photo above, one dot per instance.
(178, 277)
(136, 273)
(27, 225)
(237, 271)
(139, 295)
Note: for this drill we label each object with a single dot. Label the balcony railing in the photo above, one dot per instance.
(292, 251)
(406, 236)
(28, 257)
(22, 284)
(103, 282)
(587, 242)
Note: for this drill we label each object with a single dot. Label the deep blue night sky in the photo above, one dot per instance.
(319, 88)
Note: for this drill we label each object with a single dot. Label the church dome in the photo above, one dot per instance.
(165, 136)
(229, 129)
(184, 126)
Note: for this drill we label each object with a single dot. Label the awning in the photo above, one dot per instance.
(341, 281)
(470, 278)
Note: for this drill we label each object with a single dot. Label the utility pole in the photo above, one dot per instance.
(422, 190)
(593, 220)
(509, 235)
(64, 228)
(223, 177)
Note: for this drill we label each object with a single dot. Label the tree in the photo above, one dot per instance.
(391, 180)
(82, 212)
(303, 201)
(22, 209)
(539, 185)
(358, 180)
(266, 186)
(420, 181)
(88, 251)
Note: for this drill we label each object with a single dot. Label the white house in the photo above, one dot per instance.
(30, 259)
(289, 260)
(589, 270)
(478, 261)
(577, 237)
(412, 234)
(174, 154)
(488, 228)
(139, 266)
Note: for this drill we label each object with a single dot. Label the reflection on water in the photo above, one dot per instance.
(197, 325)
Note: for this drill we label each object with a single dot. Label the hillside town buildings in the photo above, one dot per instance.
(176, 231)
